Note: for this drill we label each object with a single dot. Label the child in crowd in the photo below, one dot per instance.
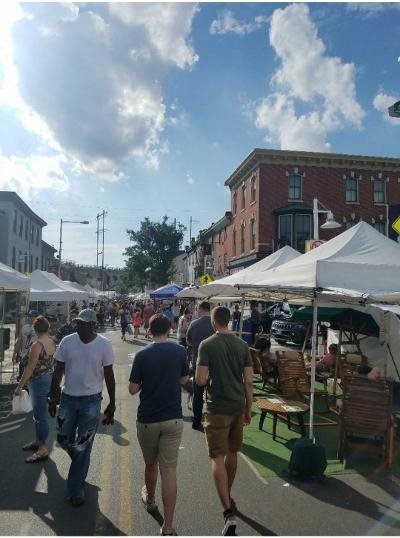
(137, 321)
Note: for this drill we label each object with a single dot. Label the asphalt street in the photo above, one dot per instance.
(33, 497)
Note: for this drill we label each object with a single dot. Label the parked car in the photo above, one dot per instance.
(284, 331)
(281, 311)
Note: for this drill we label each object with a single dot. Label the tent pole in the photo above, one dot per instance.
(337, 365)
(313, 363)
(241, 317)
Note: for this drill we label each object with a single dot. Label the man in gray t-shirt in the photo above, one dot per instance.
(199, 330)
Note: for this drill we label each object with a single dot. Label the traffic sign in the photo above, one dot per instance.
(396, 225)
(394, 110)
(206, 279)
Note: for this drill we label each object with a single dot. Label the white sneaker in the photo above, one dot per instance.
(150, 507)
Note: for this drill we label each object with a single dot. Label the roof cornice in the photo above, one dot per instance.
(306, 158)
(11, 196)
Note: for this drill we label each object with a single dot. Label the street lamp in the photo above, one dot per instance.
(60, 248)
(330, 223)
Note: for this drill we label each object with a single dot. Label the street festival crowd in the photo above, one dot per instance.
(210, 362)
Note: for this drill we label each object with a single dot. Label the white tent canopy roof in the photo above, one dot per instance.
(48, 287)
(226, 286)
(360, 261)
(10, 279)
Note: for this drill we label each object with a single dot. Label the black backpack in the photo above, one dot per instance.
(308, 460)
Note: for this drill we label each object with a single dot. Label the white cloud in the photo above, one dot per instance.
(324, 86)
(86, 79)
(368, 10)
(382, 102)
(29, 174)
(190, 179)
(227, 23)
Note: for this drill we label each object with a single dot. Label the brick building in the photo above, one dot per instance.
(272, 194)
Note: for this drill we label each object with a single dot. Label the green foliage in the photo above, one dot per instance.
(150, 258)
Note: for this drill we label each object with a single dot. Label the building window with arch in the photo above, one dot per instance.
(295, 187)
(243, 196)
(351, 190)
(234, 205)
(234, 242)
(37, 237)
(379, 191)
(26, 229)
(219, 265)
(21, 226)
(225, 263)
(253, 187)
(242, 238)
(15, 222)
(252, 234)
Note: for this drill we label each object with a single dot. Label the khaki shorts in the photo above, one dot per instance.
(160, 441)
(224, 433)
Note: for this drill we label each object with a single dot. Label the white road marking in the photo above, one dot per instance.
(253, 468)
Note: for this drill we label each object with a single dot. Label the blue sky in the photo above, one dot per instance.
(146, 109)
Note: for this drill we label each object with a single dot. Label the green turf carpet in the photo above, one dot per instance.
(271, 458)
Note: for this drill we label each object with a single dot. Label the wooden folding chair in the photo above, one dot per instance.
(366, 421)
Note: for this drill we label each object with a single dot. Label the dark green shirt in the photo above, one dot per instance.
(226, 356)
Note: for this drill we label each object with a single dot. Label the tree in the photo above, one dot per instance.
(150, 258)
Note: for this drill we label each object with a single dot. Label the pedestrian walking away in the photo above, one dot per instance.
(125, 320)
(199, 329)
(85, 359)
(224, 365)
(158, 371)
(38, 374)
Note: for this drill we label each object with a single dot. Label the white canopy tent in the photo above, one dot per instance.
(92, 292)
(225, 287)
(48, 287)
(75, 285)
(12, 280)
(358, 266)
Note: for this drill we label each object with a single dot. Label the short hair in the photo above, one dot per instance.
(41, 325)
(221, 315)
(334, 347)
(159, 324)
(186, 311)
(205, 305)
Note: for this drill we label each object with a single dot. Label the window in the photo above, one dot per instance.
(234, 203)
(21, 226)
(252, 234)
(243, 195)
(19, 261)
(36, 263)
(302, 231)
(31, 263)
(225, 263)
(294, 230)
(350, 223)
(253, 189)
(285, 230)
(37, 237)
(13, 257)
(379, 191)
(15, 222)
(234, 242)
(42, 265)
(219, 265)
(380, 227)
(295, 187)
(25, 262)
(242, 238)
(32, 234)
(26, 230)
(351, 190)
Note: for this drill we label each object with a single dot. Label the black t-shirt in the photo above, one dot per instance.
(158, 369)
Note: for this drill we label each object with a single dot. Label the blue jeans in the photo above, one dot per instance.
(77, 422)
(39, 389)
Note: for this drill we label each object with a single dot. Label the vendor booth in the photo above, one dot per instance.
(166, 292)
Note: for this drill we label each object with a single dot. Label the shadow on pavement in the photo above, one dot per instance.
(338, 493)
(116, 432)
(23, 487)
(263, 531)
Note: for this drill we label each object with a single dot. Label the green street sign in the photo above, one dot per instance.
(394, 110)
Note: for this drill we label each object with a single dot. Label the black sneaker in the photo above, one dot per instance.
(230, 525)
(198, 427)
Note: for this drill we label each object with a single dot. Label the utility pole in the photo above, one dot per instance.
(100, 252)
(190, 230)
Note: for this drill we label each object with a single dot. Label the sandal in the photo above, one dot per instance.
(30, 446)
(36, 458)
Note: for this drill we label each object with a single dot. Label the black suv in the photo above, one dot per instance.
(283, 329)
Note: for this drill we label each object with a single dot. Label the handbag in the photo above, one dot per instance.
(21, 404)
